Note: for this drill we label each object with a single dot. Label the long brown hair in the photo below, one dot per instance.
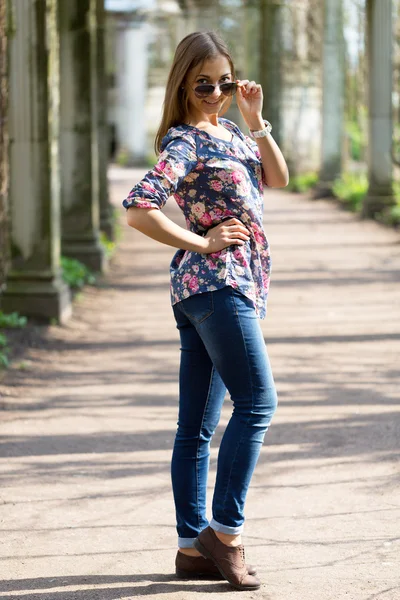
(193, 50)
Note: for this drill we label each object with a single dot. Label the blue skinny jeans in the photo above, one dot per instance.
(222, 347)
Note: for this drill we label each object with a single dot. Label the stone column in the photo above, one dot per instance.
(5, 23)
(78, 136)
(34, 285)
(332, 97)
(380, 64)
(271, 68)
(132, 58)
(102, 146)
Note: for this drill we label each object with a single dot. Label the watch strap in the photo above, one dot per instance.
(261, 132)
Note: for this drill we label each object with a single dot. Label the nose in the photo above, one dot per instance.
(216, 93)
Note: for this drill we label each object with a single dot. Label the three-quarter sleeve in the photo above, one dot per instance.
(175, 162)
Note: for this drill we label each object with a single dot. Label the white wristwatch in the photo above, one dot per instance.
(261, 132)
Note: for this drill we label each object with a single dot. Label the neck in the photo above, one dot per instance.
(196, 120)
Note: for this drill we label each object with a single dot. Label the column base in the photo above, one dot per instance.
(323, 189)
(90, 253)
(107, 223)
(43, 300)
(374, 203)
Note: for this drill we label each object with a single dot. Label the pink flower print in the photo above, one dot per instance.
(146, 185)
(238, 255)
(215, 255)
(144, 204)
(179, 200)
(206, 220)
(194, 284)
(258, 237)
(168, 171)
(237, 176)
(211, 265)
(216, 213)
(185, 278)
(216, 185)
(224, 176)
(258, 234)
(198, 209)
(195, 268)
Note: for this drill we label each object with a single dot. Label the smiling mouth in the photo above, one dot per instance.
(213, 103)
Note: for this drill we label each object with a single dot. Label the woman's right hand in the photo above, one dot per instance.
(229, 232)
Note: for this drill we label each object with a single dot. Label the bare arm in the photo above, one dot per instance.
(276, 173)
(250, 102)
(153, 223)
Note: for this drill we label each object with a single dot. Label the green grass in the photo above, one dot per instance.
(12, 320)
(350, 190)
(391, 216)
(75, 273)
(108, 245)
(302, 183)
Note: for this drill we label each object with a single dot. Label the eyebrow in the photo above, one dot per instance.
(208, 77)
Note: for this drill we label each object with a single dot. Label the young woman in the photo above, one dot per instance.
(219, 285)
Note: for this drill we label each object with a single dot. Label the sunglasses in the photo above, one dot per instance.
(206, 89)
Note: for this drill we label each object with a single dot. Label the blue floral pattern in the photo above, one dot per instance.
(212, 179)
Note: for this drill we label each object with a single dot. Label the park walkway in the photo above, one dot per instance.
(88, 423)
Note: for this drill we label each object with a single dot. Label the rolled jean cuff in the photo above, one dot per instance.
(225, 528)
(185, 542)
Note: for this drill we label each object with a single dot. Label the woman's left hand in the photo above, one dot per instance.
(249, 98)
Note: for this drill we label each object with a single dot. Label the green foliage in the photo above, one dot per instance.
(396, 142)
(150, 160)
(3, 351)
(357, 140)
(76, 274)
(123, 157)
(394, 215)
(13, 320)
(350, 190)
(302, 183)
(108, 245)
(117, 224)
(391, 216)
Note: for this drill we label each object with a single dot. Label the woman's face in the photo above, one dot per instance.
(216, 71)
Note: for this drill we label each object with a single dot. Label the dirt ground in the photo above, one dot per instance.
(88, 414)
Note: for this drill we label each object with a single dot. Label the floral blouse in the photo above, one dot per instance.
(212, 179)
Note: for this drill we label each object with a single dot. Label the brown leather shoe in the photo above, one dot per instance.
(229, 560)
(194, 567)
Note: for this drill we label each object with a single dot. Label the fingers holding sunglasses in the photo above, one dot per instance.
(249, 88)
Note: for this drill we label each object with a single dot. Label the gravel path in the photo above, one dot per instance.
(88, 421)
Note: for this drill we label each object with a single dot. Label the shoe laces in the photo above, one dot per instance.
(241, 548)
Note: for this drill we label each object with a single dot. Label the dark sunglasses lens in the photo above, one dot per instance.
(228, 88)
(204, 90)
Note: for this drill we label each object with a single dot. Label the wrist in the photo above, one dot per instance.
(203, 243)
(261, 133)
(256, 124)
